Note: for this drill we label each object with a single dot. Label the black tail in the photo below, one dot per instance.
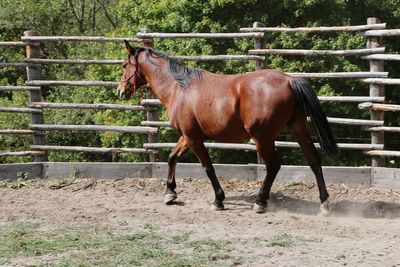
(305, 96)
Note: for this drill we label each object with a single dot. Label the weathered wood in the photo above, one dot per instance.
(376, 90)
(304, 52)
(21, 110)
(84, 106)
(15, 170)
(150, 102)
(13, 44)
(381, 107)
(381, 33)
(156, 123)
(382, 153)
(124, 129)
(250, 147)
(21, 153)
(19, 88)
(259, 43)
(356, 28)
(359, 122)
(387, 81)
(35, 73)
(74, 61)
(15, 65)
(386, 178)
(361, 74)
(383, 129)
(200, 35)
(90, 149)
(351, 98)
(382, 57)
(16, 131)
(100, 39)
(72, 83)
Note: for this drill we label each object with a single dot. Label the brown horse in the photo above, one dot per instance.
(230, 108)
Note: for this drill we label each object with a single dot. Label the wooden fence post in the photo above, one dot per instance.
(374, 91)
(34, 72)
(152, 111)
(259, 43)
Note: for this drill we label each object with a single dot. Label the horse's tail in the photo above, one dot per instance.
(305, 96)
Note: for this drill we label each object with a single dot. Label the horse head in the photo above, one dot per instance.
(133, 77)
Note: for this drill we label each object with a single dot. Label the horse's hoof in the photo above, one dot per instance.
(217, 206)
(324, 208)
(169, 198)
(260, 208)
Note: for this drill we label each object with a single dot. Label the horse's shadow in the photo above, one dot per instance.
(341, 208)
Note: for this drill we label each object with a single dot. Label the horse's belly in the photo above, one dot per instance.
(229, 133)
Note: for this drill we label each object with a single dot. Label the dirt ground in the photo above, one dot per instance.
(362, 230)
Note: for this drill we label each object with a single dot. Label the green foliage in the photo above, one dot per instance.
(126, 18)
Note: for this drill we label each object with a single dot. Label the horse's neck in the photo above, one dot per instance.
(159, 79)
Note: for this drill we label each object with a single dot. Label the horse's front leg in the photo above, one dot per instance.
(198, 148)
(180, 148)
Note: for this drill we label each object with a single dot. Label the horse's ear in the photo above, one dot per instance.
(129, 47)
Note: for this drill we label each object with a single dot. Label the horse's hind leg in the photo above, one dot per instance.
(180, 148)
(270, 157)
(298, 127)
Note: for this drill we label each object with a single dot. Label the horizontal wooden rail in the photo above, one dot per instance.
(381, 107)
(20, 153)
(393, 57)
(124, 129)
(16, 131)
(19, 88)
(16, 65)
(90, 149)
(72, 83)
(84, 106)
(13, 44)
(330, 75)
(355, 28)
(387, 81)
(21, 110)
(303, 52)
(100, 39)
(383, 153)
(200, 35)
(381, 33)
(349, 146)
(391, 129)
(351, 98)
(156, 123)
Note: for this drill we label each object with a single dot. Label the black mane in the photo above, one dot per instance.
(181, 73)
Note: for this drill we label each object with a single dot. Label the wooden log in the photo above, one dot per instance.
(382, 57)
(356, 28)
(150, 102)
(351, 99)
(15, 65)
(156, 123)
(199, 35)
(90, 149)
(381, 33)
(250, 147)
(361, 74)
(13, 44)
(381, 107)
(359, 122)
(21, 110)
(32, 50)
(15, 131)
(84, 106)
(74, 61)
(124, 129)
(100, 39)
(72, 83)
(382, 153)
(19, 88)
(303, 52)
(21, 153)
(387, 81)
(383, 129)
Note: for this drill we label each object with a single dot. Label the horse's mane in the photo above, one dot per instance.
(181, 73)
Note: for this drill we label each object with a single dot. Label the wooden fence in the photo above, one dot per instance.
(376, 77)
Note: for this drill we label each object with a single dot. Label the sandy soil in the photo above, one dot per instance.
(363, 229)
